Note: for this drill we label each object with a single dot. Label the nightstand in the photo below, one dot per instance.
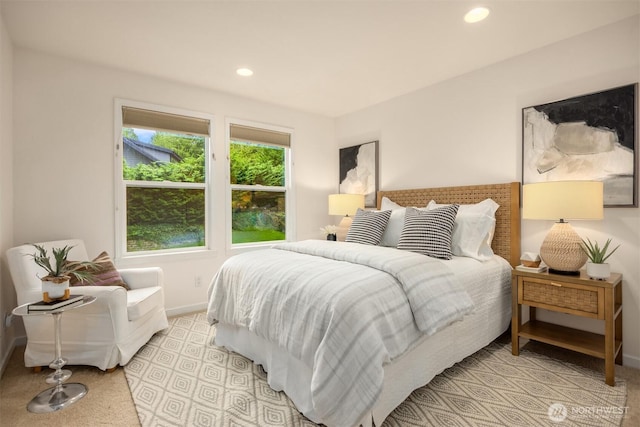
(575, 295)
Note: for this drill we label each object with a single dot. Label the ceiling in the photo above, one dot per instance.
(324, 57)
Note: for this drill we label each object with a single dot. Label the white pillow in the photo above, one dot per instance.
(388, 204)
(473, 229)
(391, 234)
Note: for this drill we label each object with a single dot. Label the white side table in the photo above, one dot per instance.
(60, 395)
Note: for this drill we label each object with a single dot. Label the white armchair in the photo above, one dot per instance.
(105, 333)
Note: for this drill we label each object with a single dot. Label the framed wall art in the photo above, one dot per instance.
(589, 137)
(359, 171)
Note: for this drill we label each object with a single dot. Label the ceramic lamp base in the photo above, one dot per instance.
(562, 250)
(343, 228)
(564, 273)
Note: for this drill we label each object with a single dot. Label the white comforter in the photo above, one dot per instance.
(344, 309)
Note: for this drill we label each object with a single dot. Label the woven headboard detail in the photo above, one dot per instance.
(506, 240)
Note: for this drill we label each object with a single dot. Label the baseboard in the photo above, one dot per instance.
(631, 361)
(186, 309)
(5, 357)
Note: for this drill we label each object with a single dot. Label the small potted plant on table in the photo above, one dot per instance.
(597, 268)
(330, 232)
(55, 285)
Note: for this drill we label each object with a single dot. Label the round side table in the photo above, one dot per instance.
(60, 395)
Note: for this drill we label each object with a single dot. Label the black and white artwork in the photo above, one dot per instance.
(359, 171)
(589, 137)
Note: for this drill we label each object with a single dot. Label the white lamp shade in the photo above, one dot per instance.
(561, 249)
(563, 200)
(345, 204)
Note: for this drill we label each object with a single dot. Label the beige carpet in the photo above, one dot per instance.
(109, 401)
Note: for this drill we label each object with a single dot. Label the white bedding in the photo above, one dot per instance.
(346, 346)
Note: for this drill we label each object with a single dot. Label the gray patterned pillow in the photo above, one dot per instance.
(367, 227)
(429, 232)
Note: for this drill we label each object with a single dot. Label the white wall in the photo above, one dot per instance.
(7, 293)
(467, 130)
(64, 167)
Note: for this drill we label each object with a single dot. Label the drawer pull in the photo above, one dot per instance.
(558, 285)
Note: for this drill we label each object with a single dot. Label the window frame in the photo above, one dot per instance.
(121, 184)
(287, 189)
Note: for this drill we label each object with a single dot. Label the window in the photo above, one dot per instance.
(162, 168)
(259, 184)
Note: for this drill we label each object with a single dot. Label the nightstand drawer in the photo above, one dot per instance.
(562, 296)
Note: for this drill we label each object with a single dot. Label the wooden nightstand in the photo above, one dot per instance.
(576, 295)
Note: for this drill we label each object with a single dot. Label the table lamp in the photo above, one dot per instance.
(345, 205)
(561, 249)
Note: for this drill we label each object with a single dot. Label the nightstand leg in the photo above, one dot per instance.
(516, 319)
(609, 338)
(618, 324)
(618, 339)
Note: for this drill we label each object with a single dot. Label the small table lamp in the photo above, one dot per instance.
(345, 205)
(561, 249)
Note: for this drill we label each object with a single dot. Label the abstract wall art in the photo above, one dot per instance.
(588, 137)
(359, 171)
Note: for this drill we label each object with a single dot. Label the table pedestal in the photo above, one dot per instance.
(56, 398)
(61, 395)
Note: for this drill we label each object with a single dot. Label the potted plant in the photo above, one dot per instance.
(55, 285)
(597, 268)
(330, 232)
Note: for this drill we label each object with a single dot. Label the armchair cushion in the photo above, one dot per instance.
(105, 275)
(142, 301)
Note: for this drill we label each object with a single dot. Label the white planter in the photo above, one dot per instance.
(55, 289)
(598, 271)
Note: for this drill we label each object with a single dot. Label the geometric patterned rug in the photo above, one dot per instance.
(179, 378)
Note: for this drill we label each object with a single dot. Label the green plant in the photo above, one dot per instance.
(61, 268)
(596, 254)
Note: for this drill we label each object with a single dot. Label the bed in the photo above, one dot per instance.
(342, 378)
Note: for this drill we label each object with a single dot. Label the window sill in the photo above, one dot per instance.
(136, 260)
(248, 247)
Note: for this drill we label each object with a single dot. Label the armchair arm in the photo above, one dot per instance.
(137, 278)
(106, 318)
(108, 298)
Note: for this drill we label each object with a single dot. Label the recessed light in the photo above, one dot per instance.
(244, 72)
(476, 15)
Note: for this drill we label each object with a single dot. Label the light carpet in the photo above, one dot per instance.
(181, 378)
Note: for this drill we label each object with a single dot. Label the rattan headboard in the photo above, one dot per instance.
(506, 240)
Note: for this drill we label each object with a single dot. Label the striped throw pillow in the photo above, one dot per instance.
(429, 232)
(367, 227)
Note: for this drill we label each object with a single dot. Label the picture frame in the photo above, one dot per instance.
(359, 171)
(587, 137)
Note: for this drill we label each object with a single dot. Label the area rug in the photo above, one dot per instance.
(180, 378)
